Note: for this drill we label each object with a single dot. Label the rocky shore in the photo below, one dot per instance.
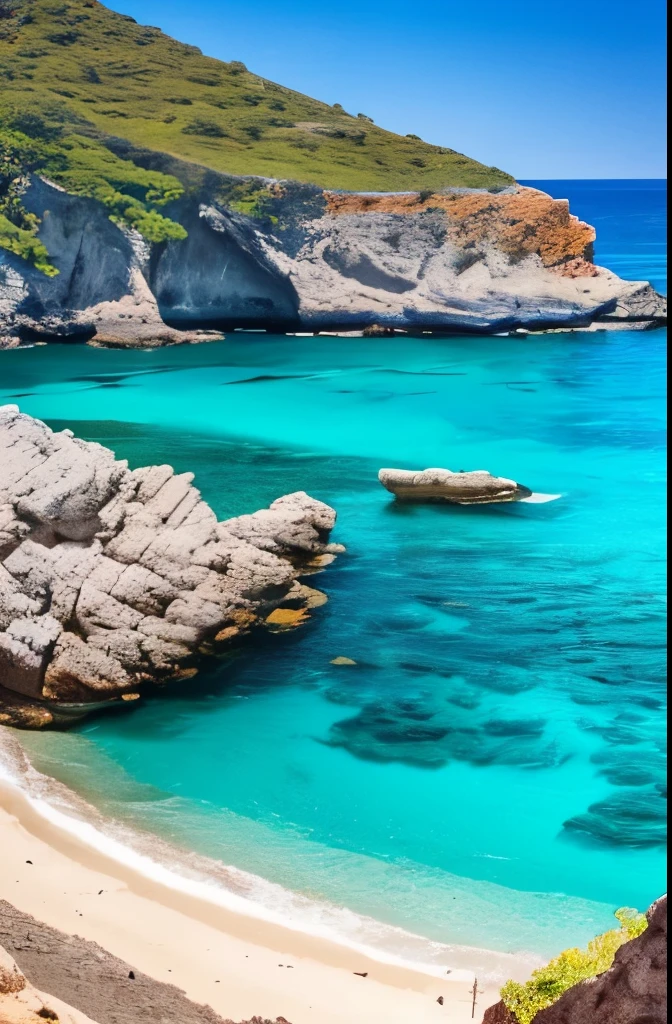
(112, 579)
(304, 259)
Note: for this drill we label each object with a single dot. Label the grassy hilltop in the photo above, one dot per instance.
(76, 77)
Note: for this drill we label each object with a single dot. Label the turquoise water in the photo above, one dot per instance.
(491, 771)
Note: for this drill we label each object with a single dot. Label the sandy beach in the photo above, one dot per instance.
(238, 965)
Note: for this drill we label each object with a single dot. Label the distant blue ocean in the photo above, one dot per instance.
(491, 771)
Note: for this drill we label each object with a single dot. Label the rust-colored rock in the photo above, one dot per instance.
(286, 618)
(519, 223)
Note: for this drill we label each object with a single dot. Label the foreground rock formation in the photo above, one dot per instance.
(82, 973)
(475, 488)
(632, 991)
(21, 1003)
(303, 258)
(110, 578)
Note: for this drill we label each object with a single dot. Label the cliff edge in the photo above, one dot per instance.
(292, 257)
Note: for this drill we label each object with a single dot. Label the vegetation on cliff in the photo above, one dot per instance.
(572, 966)
(83, 89)
(117, 78)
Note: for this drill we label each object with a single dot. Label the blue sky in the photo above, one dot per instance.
(542, 90)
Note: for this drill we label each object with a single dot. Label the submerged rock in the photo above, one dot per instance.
(476, 488)
(111, 578)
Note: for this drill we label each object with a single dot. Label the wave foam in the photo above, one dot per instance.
(242, 892)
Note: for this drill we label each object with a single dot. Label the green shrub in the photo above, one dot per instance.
(131, 195)
(210, 129)
(210, 80)
(64, 38)
(548, 983)
(24, 244)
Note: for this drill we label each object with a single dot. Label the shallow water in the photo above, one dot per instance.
(490, 772)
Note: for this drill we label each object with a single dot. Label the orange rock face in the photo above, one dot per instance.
(519, 224)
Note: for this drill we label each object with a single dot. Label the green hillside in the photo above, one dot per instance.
(123, 79)
(84, 90)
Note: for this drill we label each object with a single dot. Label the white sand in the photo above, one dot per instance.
(227, 960)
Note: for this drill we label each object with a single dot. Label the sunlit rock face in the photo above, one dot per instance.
(307, 259)
(21, 1003)
(110, 578)
(462, 488)
(632, 991)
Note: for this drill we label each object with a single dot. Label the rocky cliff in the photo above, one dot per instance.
(632, 991)
(111, 579)
(21, 1003)
(295, 257)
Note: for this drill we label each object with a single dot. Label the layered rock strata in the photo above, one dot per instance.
(111, 578)
(632, 991)
(307, 259)
(475, 488)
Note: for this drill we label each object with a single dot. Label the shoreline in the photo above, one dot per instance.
(226, 958)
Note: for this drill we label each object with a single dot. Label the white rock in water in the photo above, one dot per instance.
(111, 578)
(474, 488)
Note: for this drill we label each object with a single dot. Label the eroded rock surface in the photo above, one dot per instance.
(475, 488)
(21, 1003)
(458, 260)
(110, 578)
(632, 991)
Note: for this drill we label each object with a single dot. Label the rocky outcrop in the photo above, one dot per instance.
(632, 991)
(21, 1003)
(82, 973)
(475, 488)
(305, 259)
(110, 579)
(100, 291)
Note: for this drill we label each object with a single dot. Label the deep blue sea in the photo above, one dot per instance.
(491, 771)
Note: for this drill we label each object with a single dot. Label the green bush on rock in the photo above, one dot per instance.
(83, 166)
(24, 244)
(548, 983)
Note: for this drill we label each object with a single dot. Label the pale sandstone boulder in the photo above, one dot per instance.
(111, 578)
(475, 488)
